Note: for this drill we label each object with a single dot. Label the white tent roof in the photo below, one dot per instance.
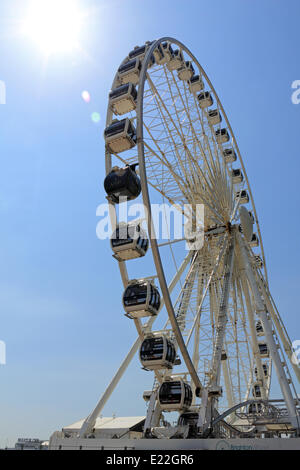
(109, 423)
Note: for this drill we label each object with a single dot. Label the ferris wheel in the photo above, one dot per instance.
(207, 326)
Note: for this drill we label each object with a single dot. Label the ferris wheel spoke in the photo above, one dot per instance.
(215, 267)
(195, 140)
(167, 120)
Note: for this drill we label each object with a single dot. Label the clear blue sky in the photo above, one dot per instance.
(60, 290)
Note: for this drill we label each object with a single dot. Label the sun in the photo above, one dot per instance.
(54, 25)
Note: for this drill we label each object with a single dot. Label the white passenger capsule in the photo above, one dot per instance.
(255, 408)
(258, 261)
(242, 196)
(176, 60)
(163, 53)
(130, 71)
(214, 116)
(229, 155)
(157, 352)
(256, 390)
(129, 241)
(222, 136)
(186, 71)
(259, 328)
(122, 99)
(120, 135)
(141, 299)
(139, 52)
(237, 176)
(263, 350)
(265, 369)
(175, 395)
(205, 99)
(195, 84)
(254, 241)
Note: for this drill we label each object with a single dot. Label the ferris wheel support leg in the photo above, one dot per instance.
(153, 413)
(89, 423)
(204, 416)
(222, 318)
(262, 314)
(250, 314)
(227, 383)
(283, 335)
(213, 390)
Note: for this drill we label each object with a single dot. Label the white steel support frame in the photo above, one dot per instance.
(251, 321)
(284, 337)
(208, 404)
(267, 326)
(222, 317)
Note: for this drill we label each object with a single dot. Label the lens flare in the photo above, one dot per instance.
(95, 117)
(86, 96)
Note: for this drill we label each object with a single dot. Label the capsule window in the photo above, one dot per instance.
(170, 393)
(136, 294)
(152, 349)
(130, 65)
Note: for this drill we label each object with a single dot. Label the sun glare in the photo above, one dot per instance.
(54, 24)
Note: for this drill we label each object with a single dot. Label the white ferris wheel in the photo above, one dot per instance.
(207, 325)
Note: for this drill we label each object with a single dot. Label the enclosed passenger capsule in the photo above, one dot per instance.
(205, 99)
(122, 184)
(222, 136)
(157, 352)
(254, 241)
(251, 217)
(120, 136)
(130, 71)
(242, 196)
(263, 350)
(175, 395)
(186, 71)
(163, 53)
(229, 155)
(140, 52)
(122, 99)
(265, 370)
(237, 176)
(214, 116)
(256, 391)
(141, 299)
(129, 241)
(259, 328)
(255, 408)
(195, 84)
(176, 60)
